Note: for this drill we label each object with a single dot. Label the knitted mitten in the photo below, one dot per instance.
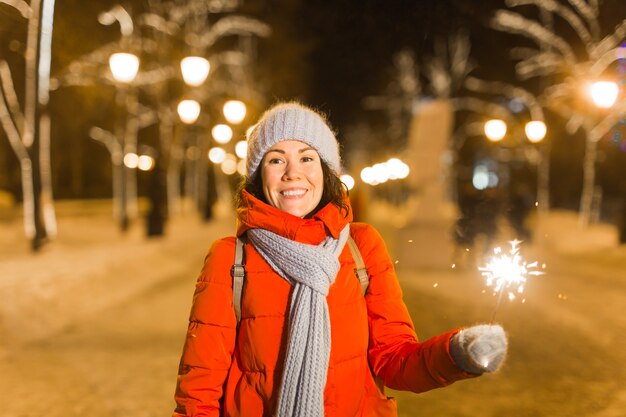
(479, 349)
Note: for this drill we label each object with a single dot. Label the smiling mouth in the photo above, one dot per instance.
(293, 193)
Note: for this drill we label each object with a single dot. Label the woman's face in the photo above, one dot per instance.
(292, 177)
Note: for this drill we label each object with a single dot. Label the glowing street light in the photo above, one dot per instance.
(234, 111)
(188, 111)
(604, 93)
(229, 165)
(217, 155)
(348, 181)
(241, 149)
(367, 175)
(495, 130)
(535, 131)
(131, 160)
(145, 163)
(222, 133)
(195, 70)
(124, 66)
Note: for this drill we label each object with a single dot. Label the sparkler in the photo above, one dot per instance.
(506, 270)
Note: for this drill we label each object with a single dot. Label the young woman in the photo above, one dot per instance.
(309, 342)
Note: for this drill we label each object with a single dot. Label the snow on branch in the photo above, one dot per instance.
(607, 123)
(508, 90)
(477, 105)
(567, 14)
(159, 23)
(590, 12)
(8, 90)
(11, 131)
(117, 14)
(542, 63)
(105, 137)
(610, 41)
(20, 6)
(607, 59)
(232, 25)
(515, 23)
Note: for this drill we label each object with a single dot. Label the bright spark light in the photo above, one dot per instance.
(506, 270)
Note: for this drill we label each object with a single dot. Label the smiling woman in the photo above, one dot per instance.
(314, 333)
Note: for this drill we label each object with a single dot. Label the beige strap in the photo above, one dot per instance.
(360, 270)
(238, 272)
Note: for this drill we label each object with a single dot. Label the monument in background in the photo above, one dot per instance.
(426, 238)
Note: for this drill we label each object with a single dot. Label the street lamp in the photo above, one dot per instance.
(234, 111)
(222, 133)
(241, 149)
(145, 162)
(188, 111)
(124, 66)
(347, 180)
(229, 165)
(604, 93)
(217, 155)
(495, 130)
(195, 70)
(535, 131)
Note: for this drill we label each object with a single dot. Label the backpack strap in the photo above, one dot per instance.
(238, 272)
(360, 270)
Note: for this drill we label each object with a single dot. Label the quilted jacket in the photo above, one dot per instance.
(225, 371)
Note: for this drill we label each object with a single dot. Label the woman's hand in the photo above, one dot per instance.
(479, 349)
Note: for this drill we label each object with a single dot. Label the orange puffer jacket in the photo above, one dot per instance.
(229, 372)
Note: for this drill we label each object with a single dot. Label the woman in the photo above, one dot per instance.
(309, 343)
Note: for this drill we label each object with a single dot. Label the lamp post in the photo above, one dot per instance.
(535, 131)
(495, 130)
(124, 67)
(603, 94)
(189, 112)
(195, 70)
(234, 111)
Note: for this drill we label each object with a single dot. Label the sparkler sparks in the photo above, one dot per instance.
(506, 270)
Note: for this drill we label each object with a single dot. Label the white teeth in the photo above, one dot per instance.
(292, 193)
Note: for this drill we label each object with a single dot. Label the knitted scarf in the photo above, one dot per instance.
(311, 269)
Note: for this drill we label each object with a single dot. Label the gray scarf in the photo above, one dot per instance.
(311, 270)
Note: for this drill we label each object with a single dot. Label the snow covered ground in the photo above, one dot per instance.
(566, 339)
(90, 265)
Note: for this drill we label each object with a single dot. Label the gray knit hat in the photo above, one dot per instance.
(291, 121)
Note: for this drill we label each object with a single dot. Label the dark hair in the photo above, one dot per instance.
(332, 193)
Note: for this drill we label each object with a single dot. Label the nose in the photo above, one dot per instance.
(292, 172)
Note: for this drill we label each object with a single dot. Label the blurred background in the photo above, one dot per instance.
(463, 125)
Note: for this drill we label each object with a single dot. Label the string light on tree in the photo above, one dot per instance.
(495, 130)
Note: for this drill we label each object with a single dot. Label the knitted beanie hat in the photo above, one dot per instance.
(291, 121)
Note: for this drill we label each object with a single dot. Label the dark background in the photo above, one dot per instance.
(329, 54)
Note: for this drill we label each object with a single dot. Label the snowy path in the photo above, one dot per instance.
(122, 361)
(119, 355)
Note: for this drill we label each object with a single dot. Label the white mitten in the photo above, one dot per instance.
(479, 349)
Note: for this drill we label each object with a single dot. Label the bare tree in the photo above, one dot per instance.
(165, 29)
(568, 71)
(28, 130)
